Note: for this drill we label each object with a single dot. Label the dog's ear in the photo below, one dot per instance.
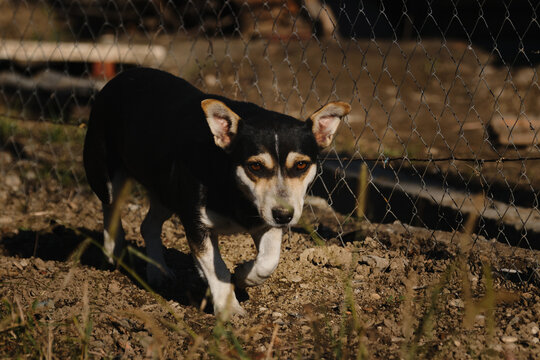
(223, 121)
(326, 121)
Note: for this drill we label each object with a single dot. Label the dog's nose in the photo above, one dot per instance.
(282, 216)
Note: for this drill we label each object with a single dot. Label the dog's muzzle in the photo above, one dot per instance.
(282, 216)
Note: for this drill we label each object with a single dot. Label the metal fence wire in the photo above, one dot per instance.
(442, 135)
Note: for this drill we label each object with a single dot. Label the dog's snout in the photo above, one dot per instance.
(282, 216)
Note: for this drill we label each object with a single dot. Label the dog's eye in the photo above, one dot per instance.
(255, 166)
(301, 165)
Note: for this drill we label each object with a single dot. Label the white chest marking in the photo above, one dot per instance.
(219, 223)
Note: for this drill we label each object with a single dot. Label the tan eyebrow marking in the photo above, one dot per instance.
(294, 157)
(264, 158)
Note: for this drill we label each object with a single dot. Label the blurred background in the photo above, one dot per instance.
(442, 135)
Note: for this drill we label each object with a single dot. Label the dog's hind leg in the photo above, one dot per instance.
(256, 271)
(151, 232)
(113, 232)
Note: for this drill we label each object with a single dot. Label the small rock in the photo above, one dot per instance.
(358, 277)
(399, 264)
(362, 270)
(480, 320)
(396, 339)
(370, 242)
(262, 309)
(458, 303)
(533, 328)
(5, 157)
(296, 278)
(389, 323)
(279, 322)
(509, 339)
(377, 262)
(257, 337)
(114, 287)
(133, 207)
(332, 256)
(375, 296)
(457, 343)
(40, 264)
(13, 181)
(305, 329)
(514, 321)
(276, 314)
(535, 340)
(30, 175)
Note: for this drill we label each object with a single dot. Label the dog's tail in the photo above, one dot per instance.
(95, 156)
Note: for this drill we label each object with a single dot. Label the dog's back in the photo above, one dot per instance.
(140, 116)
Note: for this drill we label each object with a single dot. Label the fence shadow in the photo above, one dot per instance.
(59, 243)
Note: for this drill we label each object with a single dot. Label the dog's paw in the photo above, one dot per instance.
(250, 273)
(225, 312)
(157, 277)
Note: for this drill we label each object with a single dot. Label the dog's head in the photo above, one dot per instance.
(274, 154)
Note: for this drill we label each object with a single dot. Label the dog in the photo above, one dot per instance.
(222, 166)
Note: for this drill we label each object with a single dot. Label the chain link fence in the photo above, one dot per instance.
(442, 135)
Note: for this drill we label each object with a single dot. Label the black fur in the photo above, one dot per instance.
(149, 125)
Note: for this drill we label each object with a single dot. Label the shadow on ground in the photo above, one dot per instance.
(61, 244)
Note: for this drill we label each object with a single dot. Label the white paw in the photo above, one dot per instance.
(246, 275)
(227, 310)
(157, 277)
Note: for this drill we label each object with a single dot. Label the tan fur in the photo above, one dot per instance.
(326, 121)
(294, 157)
(223, 121)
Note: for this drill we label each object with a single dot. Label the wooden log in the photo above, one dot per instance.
(28, 52)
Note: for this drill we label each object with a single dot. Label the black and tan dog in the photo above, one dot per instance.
(221, 165)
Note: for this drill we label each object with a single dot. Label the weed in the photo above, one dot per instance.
(308, 228)
(84, 327)
(61, 134)
(20, 331)
(425, 326)
(344, 341)
(226, 344)
(8, 128)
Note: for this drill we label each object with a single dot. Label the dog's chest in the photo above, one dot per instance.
(219, 223)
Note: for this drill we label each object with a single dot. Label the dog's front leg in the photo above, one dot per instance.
(217, 275)
(254, 272)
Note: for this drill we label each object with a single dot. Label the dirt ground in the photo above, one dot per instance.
(366, 297)
(350, 289)
(380, 291)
